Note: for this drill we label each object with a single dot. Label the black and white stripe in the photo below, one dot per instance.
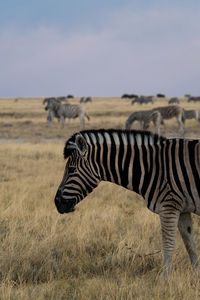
(144, 117)
(62, 111)
(166, 172)
(171, 111)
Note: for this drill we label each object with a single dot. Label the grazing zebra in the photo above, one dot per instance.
(144, 117)
(165, 172)
(191, 114)
(172, 111)
(174, 100)
(143, 100)
(85, 99)
(63, 111)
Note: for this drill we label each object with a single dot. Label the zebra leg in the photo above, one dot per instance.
(169, 221)
(186, 231)
(157, 129)
(62, 121)
(180, 122)
(82, 121)
(50, 118)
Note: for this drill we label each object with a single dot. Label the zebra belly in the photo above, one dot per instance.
(168, 197)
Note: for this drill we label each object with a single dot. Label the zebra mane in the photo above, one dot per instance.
(142, 137)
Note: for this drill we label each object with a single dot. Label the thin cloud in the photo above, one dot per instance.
(144, 52)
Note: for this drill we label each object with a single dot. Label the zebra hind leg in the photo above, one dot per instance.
(169, 221)
(81, 117)
(186, 231)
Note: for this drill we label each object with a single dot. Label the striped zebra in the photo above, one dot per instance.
(63, 111)
(174, 100)
(144, 117)
(172, 111)
(143, 100)
(165, 172)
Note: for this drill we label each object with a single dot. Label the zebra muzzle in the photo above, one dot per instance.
(63, 205)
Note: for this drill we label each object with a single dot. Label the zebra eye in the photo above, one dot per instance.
(72, 169)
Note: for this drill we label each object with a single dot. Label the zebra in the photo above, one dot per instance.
(191, 114)
(85, 99)
(144, 117)
(165, 172)
(143, 100)
(169, 112)
(174, 100)
(63, 111)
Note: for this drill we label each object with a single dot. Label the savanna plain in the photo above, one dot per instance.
(110, 247)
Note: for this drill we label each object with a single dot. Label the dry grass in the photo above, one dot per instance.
(109, 248)
(26, 119)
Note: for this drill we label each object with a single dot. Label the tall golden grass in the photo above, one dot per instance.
(109, 248)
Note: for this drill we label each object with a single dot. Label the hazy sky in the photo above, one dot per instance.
(99, 48)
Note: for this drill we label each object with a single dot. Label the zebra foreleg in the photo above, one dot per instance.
(62, 121)
(181, 124)
(186, 231)
(82, 121)
(50, 118)
(169, 221)
(157, 129)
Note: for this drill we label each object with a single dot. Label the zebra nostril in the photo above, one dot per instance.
(57, 200)
(58, 196)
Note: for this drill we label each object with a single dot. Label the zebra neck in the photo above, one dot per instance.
(130, 167)
(123, 157)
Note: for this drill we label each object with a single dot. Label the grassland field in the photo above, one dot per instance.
(110, 247)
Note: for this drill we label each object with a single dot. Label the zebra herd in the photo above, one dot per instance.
(58, 107)
(159, 114)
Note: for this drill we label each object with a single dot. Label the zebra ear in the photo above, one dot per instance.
(45, 101)
(81, 144)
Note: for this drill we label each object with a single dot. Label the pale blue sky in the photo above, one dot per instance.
(99, 48)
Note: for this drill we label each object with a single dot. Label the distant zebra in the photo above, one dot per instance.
(174, 100)
(165, 172)
(191, 114)
(85, 99)
(172, 111)
(63, 111)
(144, 117)
(143, 100)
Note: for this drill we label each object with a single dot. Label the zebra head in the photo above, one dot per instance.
(79, 177)
(51, 103)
